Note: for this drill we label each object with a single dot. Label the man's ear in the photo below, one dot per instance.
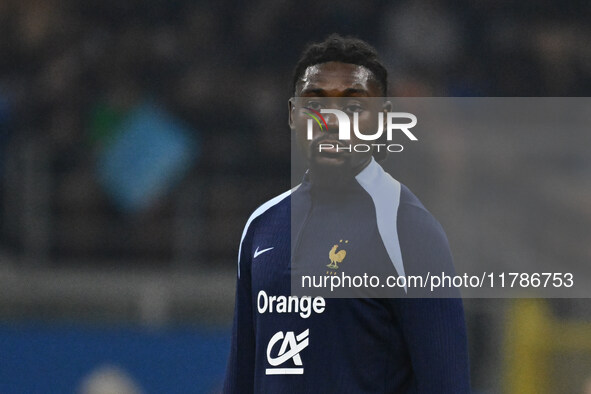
(291, 112)
(386, 107)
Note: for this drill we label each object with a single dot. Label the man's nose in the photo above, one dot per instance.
(332, 123)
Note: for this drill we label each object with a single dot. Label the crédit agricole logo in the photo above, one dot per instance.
(392, 125)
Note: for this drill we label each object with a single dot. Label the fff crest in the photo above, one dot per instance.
(336, 257)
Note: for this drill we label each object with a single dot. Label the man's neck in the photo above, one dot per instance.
(335, 179)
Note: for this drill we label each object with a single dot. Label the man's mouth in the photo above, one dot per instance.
(329, 147)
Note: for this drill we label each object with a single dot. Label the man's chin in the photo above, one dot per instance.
(331, 169)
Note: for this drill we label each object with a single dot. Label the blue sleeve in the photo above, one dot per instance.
(240, 368)
(434, 328)
(435, 334)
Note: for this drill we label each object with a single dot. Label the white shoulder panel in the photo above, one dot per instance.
(385, 193)
(258, 212)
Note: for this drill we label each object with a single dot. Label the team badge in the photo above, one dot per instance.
(336, 257)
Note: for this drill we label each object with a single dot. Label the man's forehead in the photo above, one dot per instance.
(335, 75)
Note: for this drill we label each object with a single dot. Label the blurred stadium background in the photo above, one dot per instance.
(127, 132)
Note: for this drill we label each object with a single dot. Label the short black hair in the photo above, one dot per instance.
(336, 48)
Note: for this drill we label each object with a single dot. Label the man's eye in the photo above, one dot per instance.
(351, 108)
(315, 105)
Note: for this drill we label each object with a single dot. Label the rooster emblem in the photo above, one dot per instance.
(336, 257)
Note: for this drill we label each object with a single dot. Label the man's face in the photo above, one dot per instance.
(340, 86)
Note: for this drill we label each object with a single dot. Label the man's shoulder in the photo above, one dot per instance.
(418, 229)
(396, 203)
(278, 204)
(413, 214)
(410, 202)
(389, 194)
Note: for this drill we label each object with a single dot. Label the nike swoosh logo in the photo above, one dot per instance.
(260, 252)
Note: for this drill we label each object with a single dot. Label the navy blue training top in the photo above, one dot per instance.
(287, 344)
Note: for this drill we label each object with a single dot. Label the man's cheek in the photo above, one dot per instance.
(365, 128)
